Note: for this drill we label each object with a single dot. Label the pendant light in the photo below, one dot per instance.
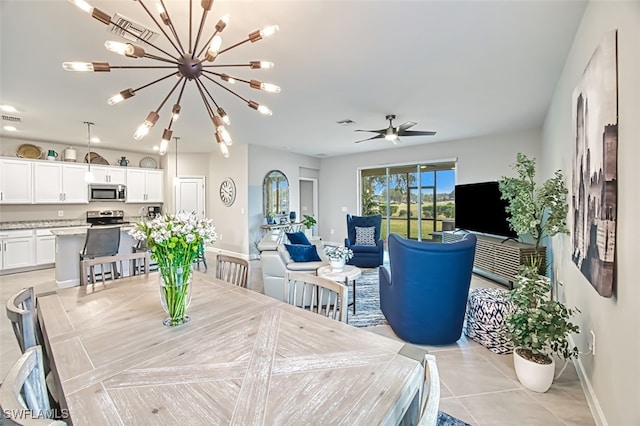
(175, 179)
(88, 176)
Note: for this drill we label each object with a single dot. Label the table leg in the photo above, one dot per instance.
(346, 282)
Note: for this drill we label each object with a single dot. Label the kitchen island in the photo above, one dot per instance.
(70, 242)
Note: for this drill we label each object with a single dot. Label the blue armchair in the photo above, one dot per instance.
(425, 295)
(365, 256)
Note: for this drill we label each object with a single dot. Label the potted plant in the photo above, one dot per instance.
(308, 222)
(338, 256)
(538, 327)
(536, 210)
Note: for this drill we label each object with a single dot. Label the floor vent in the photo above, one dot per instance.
(11, 118)
(136, 32)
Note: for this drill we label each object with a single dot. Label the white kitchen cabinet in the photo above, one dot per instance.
(144, 186)
(16, 182)
(56, 183)
(111, 175)
(45, 247)
(17, 249)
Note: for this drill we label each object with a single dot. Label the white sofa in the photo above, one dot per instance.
(275, 262)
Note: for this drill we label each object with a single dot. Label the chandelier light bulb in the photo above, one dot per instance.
(125, 94)
(264, 110)
(116, 47)
(78, 66)
(144, 128)
(260, 65)
(175, 113)
(228, 78)
(223, 115)
(269, 31)
(224, 149)
(268, 87)
(222, 23)
(214, 47)
(83, 5)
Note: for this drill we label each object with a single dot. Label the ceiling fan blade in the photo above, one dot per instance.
(406, 125)
(415, 133)
(381, 131)
(373, 137)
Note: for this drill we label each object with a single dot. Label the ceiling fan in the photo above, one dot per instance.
(392, 133)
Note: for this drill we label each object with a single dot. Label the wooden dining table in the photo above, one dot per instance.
(243, 359)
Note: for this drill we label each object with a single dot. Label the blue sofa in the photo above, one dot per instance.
(425, 295)
(365, 256)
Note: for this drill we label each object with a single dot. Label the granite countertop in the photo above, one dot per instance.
(82, 230)
(61, 223)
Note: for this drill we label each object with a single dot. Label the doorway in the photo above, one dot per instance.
(189, 195)
(308, 196)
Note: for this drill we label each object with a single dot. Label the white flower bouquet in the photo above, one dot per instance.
(338, 253)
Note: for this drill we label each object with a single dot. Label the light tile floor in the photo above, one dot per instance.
(477, 386)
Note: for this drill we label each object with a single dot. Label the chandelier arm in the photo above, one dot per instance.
(233, 46)
(160, 58)
(199, 85)
(226, 65)
(159, 26)
(184, 84)
(117, 67)
(173, 29)
(202, 21)
(154, 82)
(224, 87)
(168, 95)
(142, 40)
(210, 96)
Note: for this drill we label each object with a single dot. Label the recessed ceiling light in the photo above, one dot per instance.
(156, 148)
(10, 128)
(95, 140)
(8, 108)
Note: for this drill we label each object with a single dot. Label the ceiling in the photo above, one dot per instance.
(461, 68)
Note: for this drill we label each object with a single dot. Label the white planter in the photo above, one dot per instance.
(308, 232)
(337, 265)
(534, 376)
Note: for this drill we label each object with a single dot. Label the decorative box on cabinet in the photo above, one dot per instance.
(498, 256)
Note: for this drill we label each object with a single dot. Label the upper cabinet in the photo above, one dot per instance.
(144, 186)
(112, 175)
(60, 183)
(15, 182)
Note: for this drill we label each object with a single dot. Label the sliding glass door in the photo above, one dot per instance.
(414, 200)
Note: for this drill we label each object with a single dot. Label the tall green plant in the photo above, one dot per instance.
(538, 324)
(539, 211)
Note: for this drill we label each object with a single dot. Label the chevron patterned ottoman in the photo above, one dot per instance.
(486, 311)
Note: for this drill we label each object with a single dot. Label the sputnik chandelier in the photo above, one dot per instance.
(186, 65)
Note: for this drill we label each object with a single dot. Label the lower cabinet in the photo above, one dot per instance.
(18, 250)
(45, 247)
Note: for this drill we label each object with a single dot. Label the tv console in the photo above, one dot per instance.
(499, 257)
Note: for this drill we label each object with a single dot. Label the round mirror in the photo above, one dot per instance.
(275, 194)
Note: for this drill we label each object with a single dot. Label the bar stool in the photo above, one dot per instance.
(100, 242)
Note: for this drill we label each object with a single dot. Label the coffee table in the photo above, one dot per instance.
(346, 274)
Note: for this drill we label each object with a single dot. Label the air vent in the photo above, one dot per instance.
(11, 118)
(346, 122)
(136, 32)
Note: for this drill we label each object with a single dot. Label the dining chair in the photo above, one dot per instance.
(100, 242)
(201, 257)
(21, 311)
(316, 294)
(23, 394)
(430, 393)
(232, 270)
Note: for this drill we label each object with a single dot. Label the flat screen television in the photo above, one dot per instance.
(480, 209)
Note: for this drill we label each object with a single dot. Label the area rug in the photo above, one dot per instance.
(445, 419)
(368, 313)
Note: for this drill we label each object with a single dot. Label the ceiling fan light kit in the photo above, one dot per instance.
(185, 64)
(392, 133)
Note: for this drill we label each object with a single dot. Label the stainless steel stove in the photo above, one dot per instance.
(105, 217)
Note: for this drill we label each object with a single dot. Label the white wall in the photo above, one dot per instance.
(612, 376)
(479, 159)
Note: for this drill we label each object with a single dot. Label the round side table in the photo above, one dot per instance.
(346, 274)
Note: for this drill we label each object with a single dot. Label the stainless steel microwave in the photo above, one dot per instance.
(107, 192)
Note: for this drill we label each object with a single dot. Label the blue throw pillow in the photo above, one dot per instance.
(298, 238)
(303, 253)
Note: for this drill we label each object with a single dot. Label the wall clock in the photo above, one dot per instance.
(227, 192)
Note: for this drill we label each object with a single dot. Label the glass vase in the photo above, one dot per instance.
(175, 293)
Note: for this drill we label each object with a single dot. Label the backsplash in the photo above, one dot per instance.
(43, 212)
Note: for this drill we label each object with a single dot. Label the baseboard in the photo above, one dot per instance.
(228, 253)
(589, 392)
